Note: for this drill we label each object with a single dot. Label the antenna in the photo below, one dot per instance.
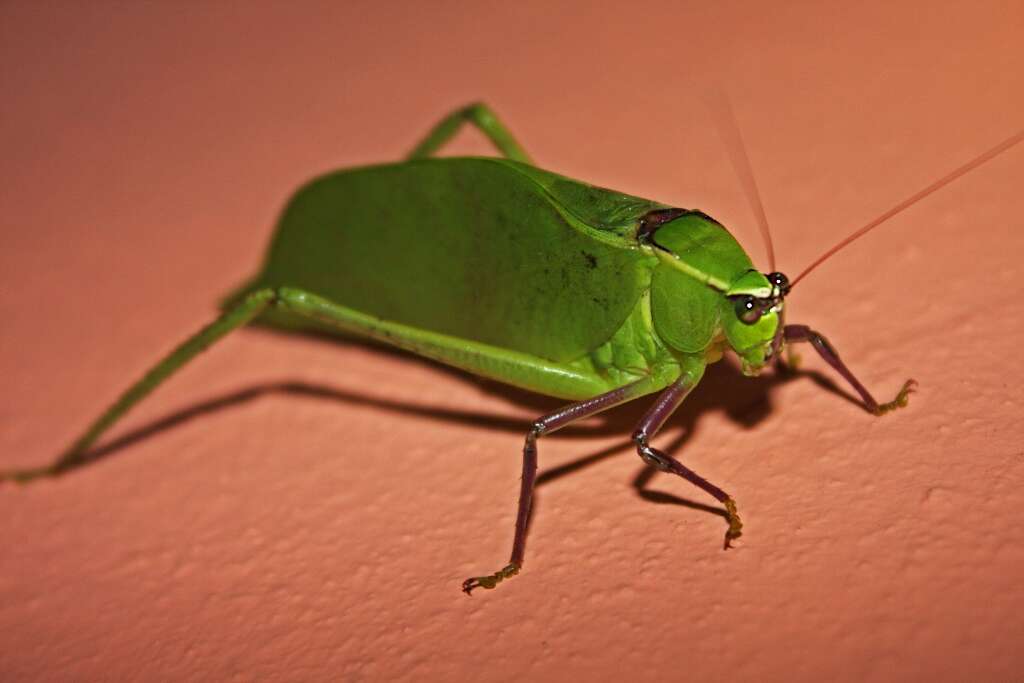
(729, 131)
(913, 199)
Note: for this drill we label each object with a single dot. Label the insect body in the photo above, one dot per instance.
(510, 272)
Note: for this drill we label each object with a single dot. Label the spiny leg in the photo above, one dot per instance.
(803, 333)
(481, 116)
(247, 309)
(541, 426)
(649, 425)
(482, 359)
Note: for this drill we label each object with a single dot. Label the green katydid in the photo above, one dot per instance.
(496, 267)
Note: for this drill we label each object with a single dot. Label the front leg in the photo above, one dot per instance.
(803, 333)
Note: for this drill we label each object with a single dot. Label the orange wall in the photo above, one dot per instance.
(321, 533)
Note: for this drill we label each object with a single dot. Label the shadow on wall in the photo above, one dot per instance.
(745, 400)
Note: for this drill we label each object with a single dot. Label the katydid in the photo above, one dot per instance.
(504, 270)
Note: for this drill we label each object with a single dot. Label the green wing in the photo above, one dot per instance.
(489, 250)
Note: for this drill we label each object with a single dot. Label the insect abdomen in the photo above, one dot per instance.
(467, 247)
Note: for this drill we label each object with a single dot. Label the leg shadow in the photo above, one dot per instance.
(745, 400)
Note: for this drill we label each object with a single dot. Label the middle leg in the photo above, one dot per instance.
(652, 421)
(541, 426)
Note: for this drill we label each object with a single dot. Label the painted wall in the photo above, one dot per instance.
(296, 510)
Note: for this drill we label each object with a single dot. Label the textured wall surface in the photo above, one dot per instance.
(290, 509)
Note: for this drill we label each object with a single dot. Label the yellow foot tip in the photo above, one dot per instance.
(901, 400)
(489, 582)
(735, 525)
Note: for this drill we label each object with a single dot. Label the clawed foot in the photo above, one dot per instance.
(735, 525)
(25, 476)
(901, 399)
(489, 581)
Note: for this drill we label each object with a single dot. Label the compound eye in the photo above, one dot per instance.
(748, 310)
(780, 281)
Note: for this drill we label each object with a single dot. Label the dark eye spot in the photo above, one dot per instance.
(780, 281)
(748, 310)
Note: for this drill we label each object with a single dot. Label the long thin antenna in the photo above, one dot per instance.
(729, 131)
(913, 199)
